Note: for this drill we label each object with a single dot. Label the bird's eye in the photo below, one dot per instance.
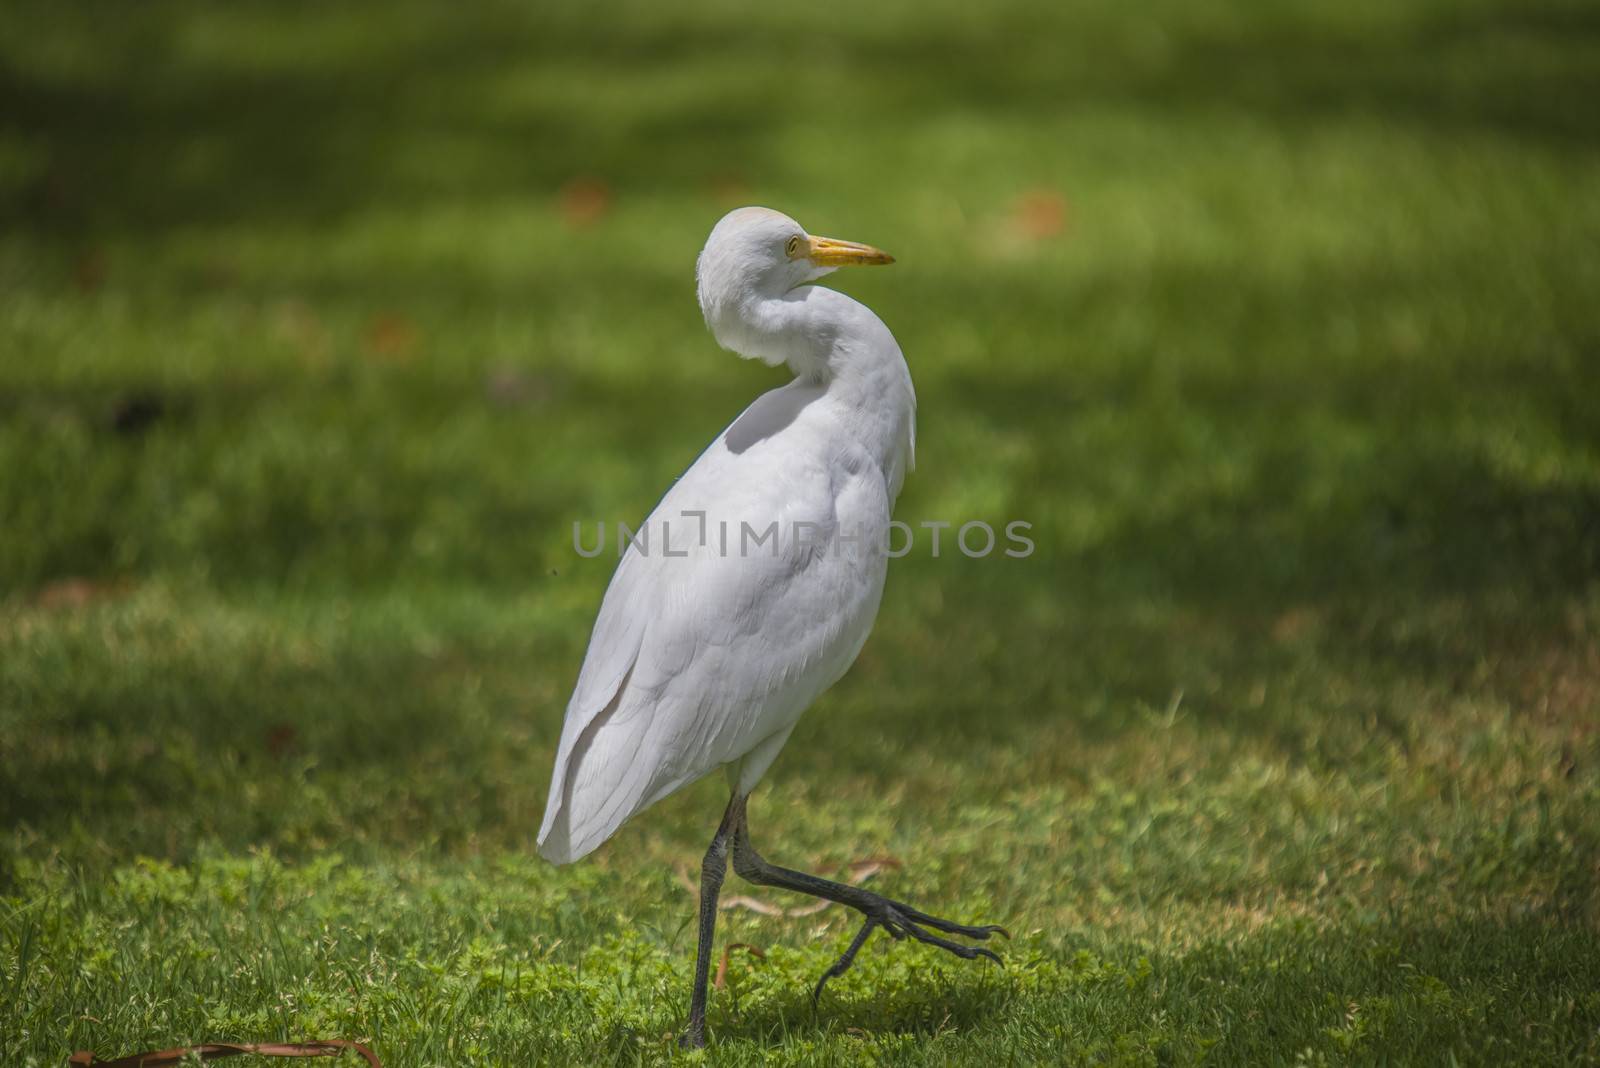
(793, 247)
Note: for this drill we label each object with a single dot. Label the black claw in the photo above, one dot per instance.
(816, 991)
(842, 965)
(902, 921)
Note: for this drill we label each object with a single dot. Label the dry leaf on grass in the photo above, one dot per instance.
(585, 201)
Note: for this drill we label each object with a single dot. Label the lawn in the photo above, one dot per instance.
(320, 326)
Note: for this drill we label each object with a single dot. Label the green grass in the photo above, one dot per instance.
(1277, 321)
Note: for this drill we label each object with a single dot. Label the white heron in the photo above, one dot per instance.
(711, 642)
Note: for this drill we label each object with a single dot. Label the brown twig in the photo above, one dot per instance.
(211, 1051)
(721, 980)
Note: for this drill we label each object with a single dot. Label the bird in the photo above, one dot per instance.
(762, 583)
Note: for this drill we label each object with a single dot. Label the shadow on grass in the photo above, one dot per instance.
(1429, 574)
(421, 105)
(167, 136)
(416, 107)
(919, 1008)
(370, 746)
(1409, 987)
(1409, 551)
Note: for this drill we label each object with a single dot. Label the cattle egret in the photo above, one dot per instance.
(712, 641)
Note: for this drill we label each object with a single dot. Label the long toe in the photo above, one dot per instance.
(978, 931)
(964, 952)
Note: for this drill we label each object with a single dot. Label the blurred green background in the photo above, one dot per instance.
(321, 324)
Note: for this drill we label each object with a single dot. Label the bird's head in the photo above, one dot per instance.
(756, 254)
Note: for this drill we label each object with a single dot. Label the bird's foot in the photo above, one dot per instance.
(694, 1036)
(902, 922)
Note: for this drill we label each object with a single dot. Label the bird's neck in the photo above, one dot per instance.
(828, 338)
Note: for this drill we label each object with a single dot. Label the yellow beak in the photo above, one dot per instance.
(830, 252)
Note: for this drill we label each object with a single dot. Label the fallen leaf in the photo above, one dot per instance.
(729, 190)
(298, 324)
(391, 336)
(866, 867)
(511, 387)
(1040, 214)
(741, 901)
(281, 738)
(585, 201)
(89, 272)
(76, 593)
(1294, 624)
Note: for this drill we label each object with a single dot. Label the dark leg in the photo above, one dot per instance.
(896, 917)
(712, 870)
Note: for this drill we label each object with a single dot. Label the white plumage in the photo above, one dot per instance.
(709, 658)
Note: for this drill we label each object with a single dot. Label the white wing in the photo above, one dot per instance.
(695, 660)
